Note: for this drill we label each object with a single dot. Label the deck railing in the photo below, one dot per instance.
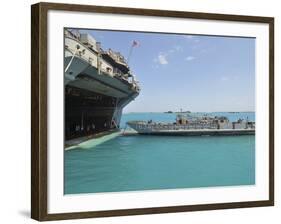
(155, 127)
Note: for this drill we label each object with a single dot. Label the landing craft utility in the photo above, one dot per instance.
(195, 126)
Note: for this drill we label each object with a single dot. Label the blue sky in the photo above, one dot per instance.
(192, 72)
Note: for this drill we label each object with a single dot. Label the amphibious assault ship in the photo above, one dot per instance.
(195, 126)
(98, 85)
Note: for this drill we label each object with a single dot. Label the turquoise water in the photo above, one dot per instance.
(131, 163)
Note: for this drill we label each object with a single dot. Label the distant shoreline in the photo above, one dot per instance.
(167, 112)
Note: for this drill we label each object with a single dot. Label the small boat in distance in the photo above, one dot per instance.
(169, 112)
(188, 125)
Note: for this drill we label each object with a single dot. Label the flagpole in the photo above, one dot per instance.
(130, 53)
(134, 44)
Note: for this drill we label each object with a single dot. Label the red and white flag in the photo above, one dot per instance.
(135, 43)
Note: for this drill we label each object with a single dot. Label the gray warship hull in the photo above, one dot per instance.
(95, 90)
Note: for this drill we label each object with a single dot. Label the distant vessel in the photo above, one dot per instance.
(98, 85)
(195, 126)
(169, 112)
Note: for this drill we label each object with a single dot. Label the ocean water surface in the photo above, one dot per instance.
(136, 163)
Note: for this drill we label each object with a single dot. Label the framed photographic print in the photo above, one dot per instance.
(140, 111)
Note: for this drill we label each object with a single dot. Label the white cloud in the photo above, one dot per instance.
(162, 59)
(189, 58)
(187, 36)
(178, 48)
(192, 39)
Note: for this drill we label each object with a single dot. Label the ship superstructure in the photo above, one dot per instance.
(98, 85)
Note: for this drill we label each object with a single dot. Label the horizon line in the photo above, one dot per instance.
(246, 111)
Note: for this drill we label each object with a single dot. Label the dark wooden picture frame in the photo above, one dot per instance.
(39, 202)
